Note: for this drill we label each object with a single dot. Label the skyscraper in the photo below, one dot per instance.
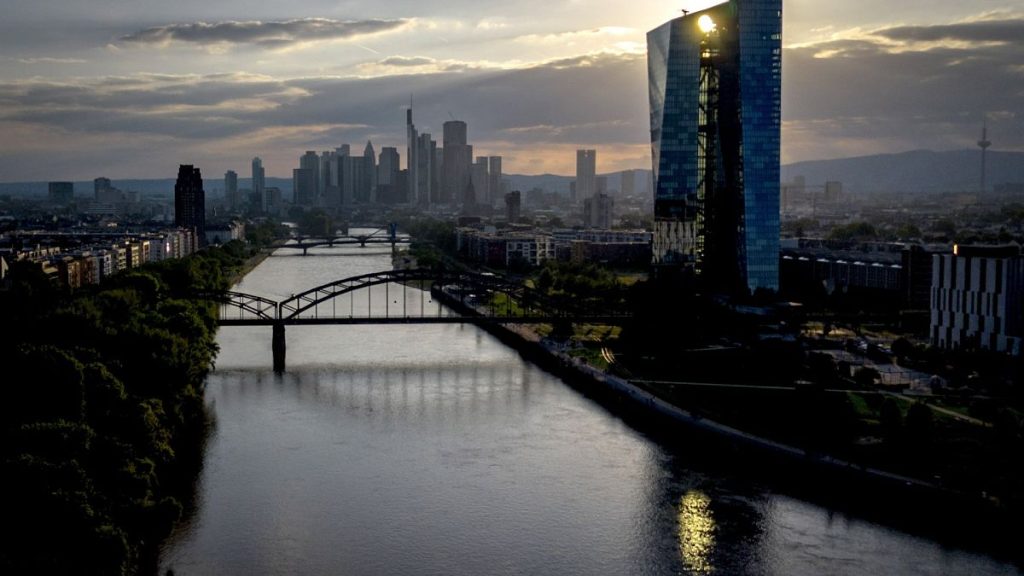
(412, 160)
(190, 201)
(62, 192)
(369, 183)
(494, 186)
(481, 180)
(627, 183)
(307, 188)
(458, 158)
(715, 95)
(231, 188)
(586, 174)
(389, 189)
(259, 182)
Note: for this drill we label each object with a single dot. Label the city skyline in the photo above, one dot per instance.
(131, 94)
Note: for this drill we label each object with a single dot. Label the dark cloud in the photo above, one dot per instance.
(1004, 31)
(932, 90)
(267, 34)
(406, 61)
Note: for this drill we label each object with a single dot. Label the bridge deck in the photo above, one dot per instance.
(425, 320)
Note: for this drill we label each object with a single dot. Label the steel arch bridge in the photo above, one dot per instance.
(467, 294)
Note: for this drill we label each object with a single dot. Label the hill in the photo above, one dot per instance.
(916, 171)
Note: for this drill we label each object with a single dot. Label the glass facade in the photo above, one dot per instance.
(738, 214)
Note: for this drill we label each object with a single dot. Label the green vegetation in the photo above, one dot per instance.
(103, 420)
(854, 231)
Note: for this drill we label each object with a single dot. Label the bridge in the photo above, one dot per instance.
(414, 296)
(390, 236)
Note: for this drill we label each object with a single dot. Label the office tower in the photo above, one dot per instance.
(412, 161)
(105, 193)
(425, 149)
(481, 180)
(715, 97)
(513, 204)
(231, 189)
(977, 296)
(597, 211)
(309, 193)
(368, 184)
(494, 186)
(627, 183)
(190, 201)
(586, 174)
(388, 174)
(303, 186)
(259, 182)
(99, 185)
(435, 156)
(62, 192)
(458, 159)
(388, 166)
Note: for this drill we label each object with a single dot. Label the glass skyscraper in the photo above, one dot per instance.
(715, 80)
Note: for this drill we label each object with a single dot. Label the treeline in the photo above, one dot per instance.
(103, 417)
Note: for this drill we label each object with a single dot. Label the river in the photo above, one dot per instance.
(438, 450)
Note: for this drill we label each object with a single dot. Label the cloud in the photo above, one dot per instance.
(48, 60)
(984, 31)
(236, 116)
(407, 61)
(904, 87)
(266, 34)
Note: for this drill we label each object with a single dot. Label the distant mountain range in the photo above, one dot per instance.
(916, 171)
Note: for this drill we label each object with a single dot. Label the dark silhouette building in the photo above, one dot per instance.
(190, 201)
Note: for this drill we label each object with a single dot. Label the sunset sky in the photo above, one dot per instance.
(130, 89)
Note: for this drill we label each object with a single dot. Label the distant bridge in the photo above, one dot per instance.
(390, 236)
(402, 297)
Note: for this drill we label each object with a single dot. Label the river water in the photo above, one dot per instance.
(437, 450)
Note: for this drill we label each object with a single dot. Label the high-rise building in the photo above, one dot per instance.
(597, 211)
(627, 183)
(259, 182)
(494, 186)
(389, 189)
(62, 192)
(412, 161)
(231, 188)
(190, 201)
(309, 193)
(481, 180)
(715, 96)
(586, 174)
(977, 299)
(513, 205)
(303, 186)
(99, 185)
(458, 159)
(369, 184)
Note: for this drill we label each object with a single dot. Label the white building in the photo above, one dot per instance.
(976, 299)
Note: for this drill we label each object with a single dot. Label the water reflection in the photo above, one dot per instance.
(696, 532)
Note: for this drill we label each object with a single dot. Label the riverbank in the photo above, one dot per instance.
(913, 504)
(253, 261)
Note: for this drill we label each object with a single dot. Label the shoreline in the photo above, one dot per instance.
(916, 506)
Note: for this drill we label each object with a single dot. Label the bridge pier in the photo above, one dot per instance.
(278, 345)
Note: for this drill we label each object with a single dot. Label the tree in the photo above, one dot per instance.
(919, 422)
(890, 418)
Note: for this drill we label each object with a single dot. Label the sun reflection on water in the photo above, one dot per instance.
(696, 532)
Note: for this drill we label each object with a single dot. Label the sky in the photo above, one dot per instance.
(132, 88)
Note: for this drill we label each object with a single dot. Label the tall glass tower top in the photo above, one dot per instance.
(715, 80)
